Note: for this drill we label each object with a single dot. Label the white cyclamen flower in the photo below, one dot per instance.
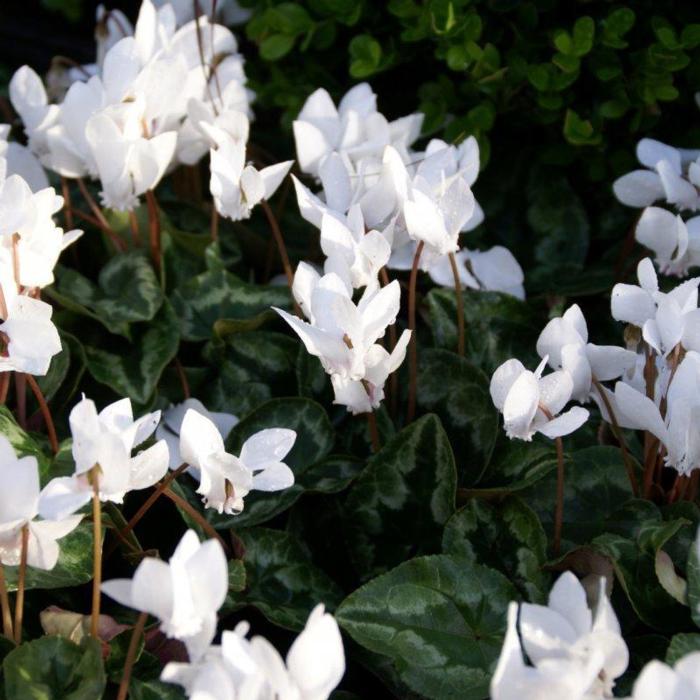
(30, 336)
(19, 508)
(343, 335)
(102, 446)
(252, 668)
(664, 179)
(185, 593)
(531, 403)
(235, 186)
(574, 652)
(354, 254)
(225, 480)
(677, 430)
(492, 270)
(565, 342)
(658, 681)
(354, 128)
(169, 427)
(676, 243)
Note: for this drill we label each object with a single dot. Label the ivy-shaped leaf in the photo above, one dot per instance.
(400, 503)
(507, 536)
(440, 619)
(464, 406)
(218, 294)
(134, 370)
(281, 581)
(53, 667)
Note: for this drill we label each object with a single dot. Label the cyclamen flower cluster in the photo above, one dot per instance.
(159, 95)
(382, 205)
(186, 602)
(577, 653)
(372, 181)
(657, 376)
(30, 245)
(672, 175)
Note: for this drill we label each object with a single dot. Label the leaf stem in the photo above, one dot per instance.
(460, 305)
(131, 655)
(21, 578)
(45, 411)
(412, 344)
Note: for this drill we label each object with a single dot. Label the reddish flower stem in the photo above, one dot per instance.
(45, 411)
(460, 305)
(412, 344)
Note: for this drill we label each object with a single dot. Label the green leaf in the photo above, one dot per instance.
(133, 370)
(595, 485)
(560, 223)
(52, 668)
(74, 566)
(440, 619)
(563, 42)
(127, 292)
(23, 443)
(584, 31)
(515, 465)
(690, 36)
(365, 56)
(331, 475)
(281, 581)
(508, 537)
(633, 554)
(464, 406)
(314, 441)
(693, 576)
(580, 132)
(275, 46)
(617, 24)
(498, 326)
(682, 644)
(51, 382)
(216, 295)
(401, 501)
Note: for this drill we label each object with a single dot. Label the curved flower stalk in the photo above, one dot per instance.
(531, 403)
(252, 668)
(343, 335)
(184, 594)
(574, 652)
(224, 479)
